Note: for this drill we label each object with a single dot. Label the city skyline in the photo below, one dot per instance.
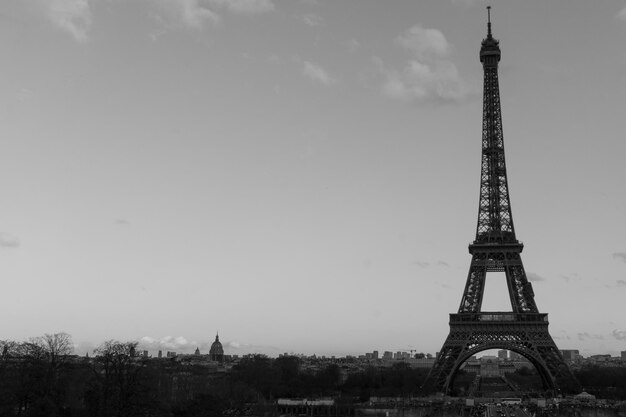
(302, 176)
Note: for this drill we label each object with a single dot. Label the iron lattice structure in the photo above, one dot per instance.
(496, 249)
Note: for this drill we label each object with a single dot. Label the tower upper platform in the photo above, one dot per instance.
(490, 49)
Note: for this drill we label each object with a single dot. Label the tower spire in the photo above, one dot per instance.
(490, 49)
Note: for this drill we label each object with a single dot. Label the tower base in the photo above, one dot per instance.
(523, 333)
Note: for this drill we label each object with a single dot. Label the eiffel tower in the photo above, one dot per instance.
(524, 330)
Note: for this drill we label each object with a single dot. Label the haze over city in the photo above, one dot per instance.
(302, 176)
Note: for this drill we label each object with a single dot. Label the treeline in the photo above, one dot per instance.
(284, 377)
(42, 377)
(603, 382)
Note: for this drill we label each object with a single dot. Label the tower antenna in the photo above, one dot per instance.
(489, 21)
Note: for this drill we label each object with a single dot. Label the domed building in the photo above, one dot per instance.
(217, 351)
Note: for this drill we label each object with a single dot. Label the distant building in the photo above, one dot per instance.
(217, 350)
(600, 358)
(387, 355)
(489, 366)
(421, 362)
(375, 355)
(624, 355)
(570, 356)
(503, 355)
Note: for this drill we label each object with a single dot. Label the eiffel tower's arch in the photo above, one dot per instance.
(547, 379)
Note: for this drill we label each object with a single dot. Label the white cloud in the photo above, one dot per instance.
(424, 264)
(571, 278)
(187, 13)
(426, 44)
(234, 344)
(72, 16)
(82, 348)
(534, 277)
(316, 73)
(75, 17)
(312, 19)
(430, 75)
(195, 14)
(589, 336)
(353, 45)
(620, 255)
(467, 3)
(622, 14)
(619, 334)
(8, 241)
(245, 6)
(173, 343)
(25, 95)
(182, 345)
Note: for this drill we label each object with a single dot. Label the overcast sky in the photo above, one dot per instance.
(302, 175)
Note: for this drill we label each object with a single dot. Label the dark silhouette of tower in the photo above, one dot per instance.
(496, 249)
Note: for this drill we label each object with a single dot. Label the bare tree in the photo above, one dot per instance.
(8, 348)
(55, 350)
(8, 397)
(49, 359)
(117, 372)
(31, 374)
(57, 346)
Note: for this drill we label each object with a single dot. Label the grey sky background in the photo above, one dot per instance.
(302, 176)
